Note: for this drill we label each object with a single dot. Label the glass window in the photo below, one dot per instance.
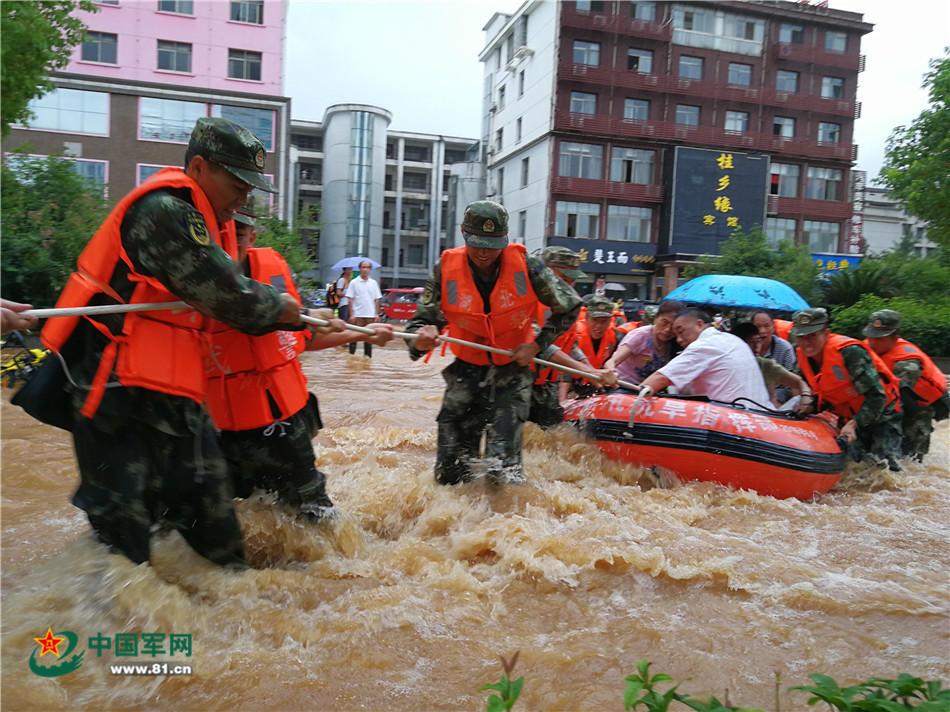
(71, 110)
(828, 132)
(499, 139)
(521, 83)
(832, 87)
(581, 160)
(821, 236)
(500, 180)
(632, 165)
(182, 7)
(628, 223)
(524, 172)
(836, 41)
(168, 119)
(416, 254)
(146, 171)
(693, 19)
(740, 75)
(687, 115)
(577, 219)
(522, 224)
(586, 52)
(99, 47)
(691, 67)
(636, 110)
(590, 5)
(259, 122)
(583, 103)
(501, 98)
(518, 130)
(780, 229)
(783, 126)
(786, 81)
(823, 183)
(174, 56)
(248, 11)
(94, 172)
(791, 34)
(244, 64)
(784, 180)
(640, 60)
(645, 11)
(737, 121)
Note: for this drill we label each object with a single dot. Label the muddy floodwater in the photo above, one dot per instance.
(406, 601)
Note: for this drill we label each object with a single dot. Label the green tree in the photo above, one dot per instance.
(917, 163)
(48, 214)
(37, 39)
(275, 233)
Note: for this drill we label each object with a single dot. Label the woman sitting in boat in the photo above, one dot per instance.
(648, 348)
(775, 375)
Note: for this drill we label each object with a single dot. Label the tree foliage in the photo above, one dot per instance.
(847, 287)
(37, 39)
(917, 163)
(275, 233)
(926, 322)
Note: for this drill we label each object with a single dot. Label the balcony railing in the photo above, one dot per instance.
(622, 23)
(597, 188)
(808, 207)
(816, 55)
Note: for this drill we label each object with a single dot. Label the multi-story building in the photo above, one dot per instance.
(384, 194)
(125, 104)
(644, 133)
(886, 224)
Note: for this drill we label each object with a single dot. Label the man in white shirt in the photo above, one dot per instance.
(713, 364)
(364, 295)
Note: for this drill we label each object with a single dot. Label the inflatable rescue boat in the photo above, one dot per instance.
(772, 453)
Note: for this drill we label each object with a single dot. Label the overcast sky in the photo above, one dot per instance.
(419, 60)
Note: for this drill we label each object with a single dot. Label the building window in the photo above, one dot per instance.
(72, 111)
(99, 47)
(524, 172)
(498, 59)
(93, 172)
(640, 60)
(518, 130)
(521, 83)
(740, 75)
(628, 223)
(586, 52)
(259, 122)
(828, 132)
(590, 6)
(500, 181)
(823, 183)
(499, 139)
(174, 56)
(783, 181)
(737, 121)
(523, 224)
(583, 103)
(832, 88)
(791, 34)
(581, 160)
(632, 165)
(251, 11)
(821, 236)
(244, 64)
(687, 115)
(786, 81)
(501, 97)
(694, 19)
(636, 110)
(179, 7)
(645, 11)
(168, 119)
(836, 41)
(691, 67)
(783, 126)
(577, 219)
(780, 230)
(144, 171)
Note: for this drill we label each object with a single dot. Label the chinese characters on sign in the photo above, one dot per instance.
(836, 263)
(723, 203)
(610, 256)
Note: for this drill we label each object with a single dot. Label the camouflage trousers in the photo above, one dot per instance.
(134, 476)
(546, 407)
(477, 399)
(918, 425)
(278, 458)
(882, 439)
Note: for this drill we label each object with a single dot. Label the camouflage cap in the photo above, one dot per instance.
(598, 306)
(809, 321)
(233, 147)
(565, 260)
(883, 323)
(485, 225)
(243, 217)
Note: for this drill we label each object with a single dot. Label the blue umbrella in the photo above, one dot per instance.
(739, 292)
(354, 262)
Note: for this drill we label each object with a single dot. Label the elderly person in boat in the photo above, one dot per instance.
(713, 364)
(775, 375)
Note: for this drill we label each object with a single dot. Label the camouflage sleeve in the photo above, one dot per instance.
(555, 293)
(428, 309)
(909, 372)
(867, 382)
(166, 238)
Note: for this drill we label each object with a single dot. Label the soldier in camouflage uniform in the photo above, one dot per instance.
(492, 397)
(874, 430)
(147, 456)
(920, 404)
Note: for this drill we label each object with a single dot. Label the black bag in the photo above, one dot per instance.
(45, 397)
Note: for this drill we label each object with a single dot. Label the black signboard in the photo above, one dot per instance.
(610, 256)
(715, 193)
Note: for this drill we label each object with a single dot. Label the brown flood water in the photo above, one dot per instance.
(406, 601)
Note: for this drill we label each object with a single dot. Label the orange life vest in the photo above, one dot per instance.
(514, 305)
(245, 373)
(932, 384)
(833, 385)
(629, 326)
(158, 350)
(783, 328)
(608, 344)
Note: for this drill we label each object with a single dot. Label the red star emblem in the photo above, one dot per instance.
(50, 643)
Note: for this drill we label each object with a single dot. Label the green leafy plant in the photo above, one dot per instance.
(906, 692)
(508, 691)
(641, 690)
(846, 288)
(925, 322)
